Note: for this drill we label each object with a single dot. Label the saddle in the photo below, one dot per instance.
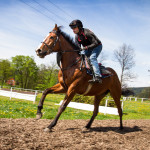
(104, 71)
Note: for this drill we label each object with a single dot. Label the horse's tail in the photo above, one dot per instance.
(124, 92)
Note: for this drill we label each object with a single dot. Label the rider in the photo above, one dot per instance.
(91, 46)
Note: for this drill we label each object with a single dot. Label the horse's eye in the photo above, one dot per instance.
(51, 37)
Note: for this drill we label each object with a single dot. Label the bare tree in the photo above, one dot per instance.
(124, 55)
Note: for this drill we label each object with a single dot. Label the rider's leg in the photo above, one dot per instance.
(86, 53)
(93, 54)
(93, 58)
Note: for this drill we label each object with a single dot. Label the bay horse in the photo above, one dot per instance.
(73, 78)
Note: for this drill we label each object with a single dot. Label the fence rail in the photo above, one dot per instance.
(26, 94)
(135, 99)
(89, 107)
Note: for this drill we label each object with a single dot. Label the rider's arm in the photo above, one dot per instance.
(93, 39)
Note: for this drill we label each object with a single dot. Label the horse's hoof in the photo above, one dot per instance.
(38, 116)
(121, 128)
(47, 130)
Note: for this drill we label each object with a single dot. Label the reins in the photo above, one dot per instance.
(50, 50)
(76, 50)
(59, 56)
(63, 69)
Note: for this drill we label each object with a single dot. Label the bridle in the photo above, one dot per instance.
(50, 49)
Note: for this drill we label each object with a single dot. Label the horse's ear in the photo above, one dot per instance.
(55, 28)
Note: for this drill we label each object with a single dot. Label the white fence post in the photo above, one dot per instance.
(124, 98)
(122, 105)
(19, 95)
(10, 93)
(35, 96)
(106, 105)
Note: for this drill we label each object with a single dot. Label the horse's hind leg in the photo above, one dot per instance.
(55, 89)
(116, 94)
(97, 100)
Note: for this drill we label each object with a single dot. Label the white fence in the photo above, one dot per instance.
(20, 95)
(102, 109)
(134, 98)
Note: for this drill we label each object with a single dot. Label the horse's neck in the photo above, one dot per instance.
(70, 57)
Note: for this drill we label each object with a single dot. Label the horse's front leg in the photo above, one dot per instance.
(55, 89)
(69, 95)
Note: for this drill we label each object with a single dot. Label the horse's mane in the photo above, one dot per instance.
(69, 39)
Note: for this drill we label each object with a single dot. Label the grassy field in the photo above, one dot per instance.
(26, 109)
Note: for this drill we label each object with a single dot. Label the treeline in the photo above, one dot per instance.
(27, 74)
(143, 92)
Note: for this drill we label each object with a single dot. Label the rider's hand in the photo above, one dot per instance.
(84, 48)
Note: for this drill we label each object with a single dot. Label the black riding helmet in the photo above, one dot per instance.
(76, 23)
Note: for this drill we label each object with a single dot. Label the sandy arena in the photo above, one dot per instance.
(24, 134)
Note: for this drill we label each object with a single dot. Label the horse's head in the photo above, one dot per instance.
(50, 43)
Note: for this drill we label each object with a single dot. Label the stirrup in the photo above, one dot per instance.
(95, 80)
(98, 79)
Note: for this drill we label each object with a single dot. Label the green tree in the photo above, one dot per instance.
(145, 93)
(5, 70)
(47, 76)
(25, 70)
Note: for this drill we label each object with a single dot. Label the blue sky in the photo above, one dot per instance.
(115, 22)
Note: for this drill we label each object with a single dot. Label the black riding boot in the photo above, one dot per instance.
(96, 79)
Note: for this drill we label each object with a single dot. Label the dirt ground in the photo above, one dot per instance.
(23, 134)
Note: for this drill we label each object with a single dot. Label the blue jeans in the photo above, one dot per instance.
(93, 54)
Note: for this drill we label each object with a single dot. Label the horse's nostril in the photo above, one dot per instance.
(38, 51)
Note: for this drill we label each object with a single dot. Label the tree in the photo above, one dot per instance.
(124, 55)
(25, 71)
(145, 93)
(5, 70)
(47, 76)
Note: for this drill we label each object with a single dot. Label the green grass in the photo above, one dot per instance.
(16, 108)
(26, 109)
(136, 110)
